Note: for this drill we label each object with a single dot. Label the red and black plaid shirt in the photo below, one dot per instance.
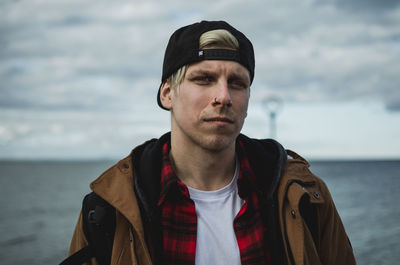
(179, 219)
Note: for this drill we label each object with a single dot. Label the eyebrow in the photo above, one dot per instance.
(201, 72)
(240, 77)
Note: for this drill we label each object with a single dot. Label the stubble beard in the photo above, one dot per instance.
(216, 143)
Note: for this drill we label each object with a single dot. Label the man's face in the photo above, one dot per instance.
(209, 107)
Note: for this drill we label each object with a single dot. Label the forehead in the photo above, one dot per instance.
(219, 67)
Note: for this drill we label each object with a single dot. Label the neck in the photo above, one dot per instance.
(200, 168)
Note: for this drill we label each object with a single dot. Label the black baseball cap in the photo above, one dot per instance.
(183, 49)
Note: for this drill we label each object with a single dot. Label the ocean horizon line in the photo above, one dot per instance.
(116, 159)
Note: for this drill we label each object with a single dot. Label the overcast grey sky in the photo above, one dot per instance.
(79, 78)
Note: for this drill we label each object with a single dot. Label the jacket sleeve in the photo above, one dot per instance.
(79, 240)
(335, 247)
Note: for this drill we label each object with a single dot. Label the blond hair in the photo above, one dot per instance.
(219, 38)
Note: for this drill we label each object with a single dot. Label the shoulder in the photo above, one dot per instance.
(122, 167)
(297, 176)
(147, 151)
(298, 167)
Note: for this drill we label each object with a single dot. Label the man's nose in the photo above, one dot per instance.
(222, 94)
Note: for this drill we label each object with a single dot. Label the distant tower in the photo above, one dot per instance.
(274, 105)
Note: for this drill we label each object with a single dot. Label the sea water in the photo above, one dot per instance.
(40, 203)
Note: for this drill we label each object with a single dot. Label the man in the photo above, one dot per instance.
(204, 193)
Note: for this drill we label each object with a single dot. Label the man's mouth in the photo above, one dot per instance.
(219, 119)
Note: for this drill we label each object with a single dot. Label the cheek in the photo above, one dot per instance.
(188, 104)
(242, 103)
(194, 101)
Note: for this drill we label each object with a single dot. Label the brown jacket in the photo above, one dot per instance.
(331, 247)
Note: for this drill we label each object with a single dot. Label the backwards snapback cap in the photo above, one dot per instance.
(183, 49)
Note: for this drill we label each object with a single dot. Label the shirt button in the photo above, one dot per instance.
(316, 195)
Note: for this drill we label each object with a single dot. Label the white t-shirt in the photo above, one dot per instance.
(216, 240)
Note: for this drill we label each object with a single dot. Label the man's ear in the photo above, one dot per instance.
(166, 94)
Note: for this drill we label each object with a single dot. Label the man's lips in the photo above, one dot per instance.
(219, 119)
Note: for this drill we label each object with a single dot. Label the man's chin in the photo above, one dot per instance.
(218, 143)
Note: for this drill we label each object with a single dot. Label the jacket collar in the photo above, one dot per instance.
(267, 160)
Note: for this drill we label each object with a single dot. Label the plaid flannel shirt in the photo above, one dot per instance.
(179, 219)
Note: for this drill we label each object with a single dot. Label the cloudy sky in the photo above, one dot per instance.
(79, 78)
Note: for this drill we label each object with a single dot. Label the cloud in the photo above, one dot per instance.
(366, 5)
(394, 105)
(62, 59)
(320, 50)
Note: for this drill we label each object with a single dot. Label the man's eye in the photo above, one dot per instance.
(202, 79)
(238, 84)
